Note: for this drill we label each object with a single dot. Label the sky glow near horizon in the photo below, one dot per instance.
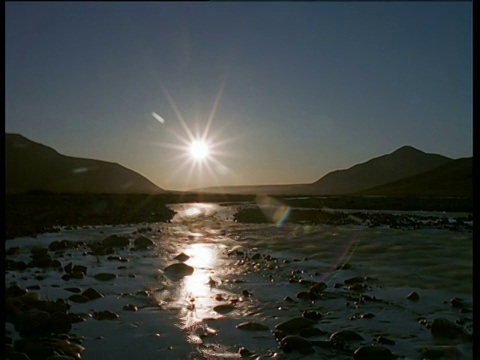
(281, 92)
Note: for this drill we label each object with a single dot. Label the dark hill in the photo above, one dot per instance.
(452, 179)
(33, 166)
(402, 163)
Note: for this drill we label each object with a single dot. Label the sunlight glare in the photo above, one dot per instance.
(199, 149)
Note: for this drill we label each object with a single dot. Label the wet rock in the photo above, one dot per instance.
(318, 287)
(311, 331)
(105, 276)
(60, 322)
(75, 290)
(345, 336)
(42, 348)
(413, 296)
(115, 258)
(367, 316)
(444, 328)
(79, 269)
(246, 293)
(115, 241)
(15, 291)
(42, 259)
(293, 325)
(223, 308)
(373, 352)
(296, 343)
(279, 335)
(385, 341)
(244, 352)
(92, 294)
(312, 315)
(440, 352)
(143, 242)
(252, 326)
(182, 257)
(304, 295)
(15, 265)
(77, 298)
(458, 303)
(130, 307)
(60, 245)
(357, 287)
(105, 315)
(179, 270)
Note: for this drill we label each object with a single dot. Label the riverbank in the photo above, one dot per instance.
(35, 213)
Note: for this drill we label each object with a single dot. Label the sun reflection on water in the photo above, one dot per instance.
(197, 290)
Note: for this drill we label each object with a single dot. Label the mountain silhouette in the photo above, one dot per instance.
(402, 163)
(455, 178)
(32, 166)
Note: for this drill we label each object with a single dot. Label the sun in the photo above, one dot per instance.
(199, 149)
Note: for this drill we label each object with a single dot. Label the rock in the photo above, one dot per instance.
(115, 241)
(373, 352)
(143, 242)
(252, 326)
(296, 343)
(223, 308)
(318, 287)
(458, 303)
(440, 352)
(60, 322)
(244, 352)
(182, 257)
(68, 268)
(42, 348)
(79, 269)
(179, 270)
(15, 291)
(295, 324)
(59, 245)
(105, 315)
(444, 328)
(92, 294)
(312, 315)
(413, 296)
(75, 290)
(386, 341)
(77, 298)
(130, 307)
(105, 276)
(303, 295)
(367, 316)
(345, 336)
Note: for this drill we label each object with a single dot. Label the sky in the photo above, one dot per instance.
(283, 92)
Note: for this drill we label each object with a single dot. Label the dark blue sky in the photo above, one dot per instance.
(301, 88)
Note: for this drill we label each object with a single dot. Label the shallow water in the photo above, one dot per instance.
(176, 318)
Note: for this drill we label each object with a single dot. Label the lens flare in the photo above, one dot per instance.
(274, 209)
